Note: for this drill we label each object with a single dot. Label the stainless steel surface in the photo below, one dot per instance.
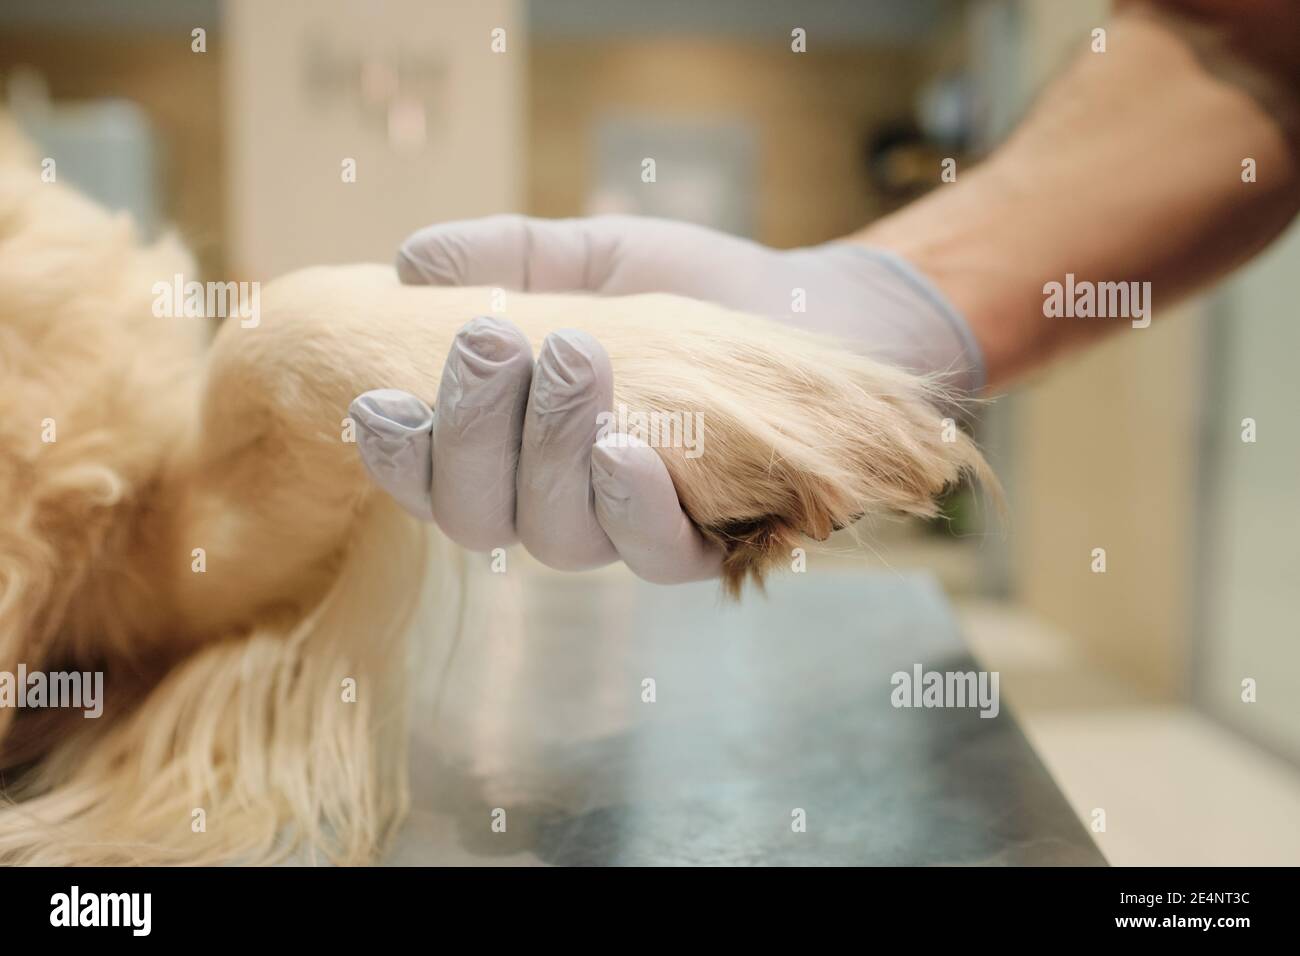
(777, 703)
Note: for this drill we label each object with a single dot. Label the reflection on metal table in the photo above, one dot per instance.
(777, 704)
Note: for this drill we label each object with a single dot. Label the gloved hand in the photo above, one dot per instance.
(510, 453)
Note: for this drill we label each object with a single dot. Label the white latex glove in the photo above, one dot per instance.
(510, 453)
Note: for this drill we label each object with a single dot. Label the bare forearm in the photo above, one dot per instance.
(1129, 169)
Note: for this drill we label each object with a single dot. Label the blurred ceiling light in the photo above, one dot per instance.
(378, 81)
(394, 94)
(406, 123)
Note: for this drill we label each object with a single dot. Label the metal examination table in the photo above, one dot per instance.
(762, 707)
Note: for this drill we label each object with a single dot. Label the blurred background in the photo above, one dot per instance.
(233, 120)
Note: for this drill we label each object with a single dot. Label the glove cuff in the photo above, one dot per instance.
(913, 323)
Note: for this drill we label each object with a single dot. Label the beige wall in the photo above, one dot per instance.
(811, 114)
(288, 137)
(1106, 458)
